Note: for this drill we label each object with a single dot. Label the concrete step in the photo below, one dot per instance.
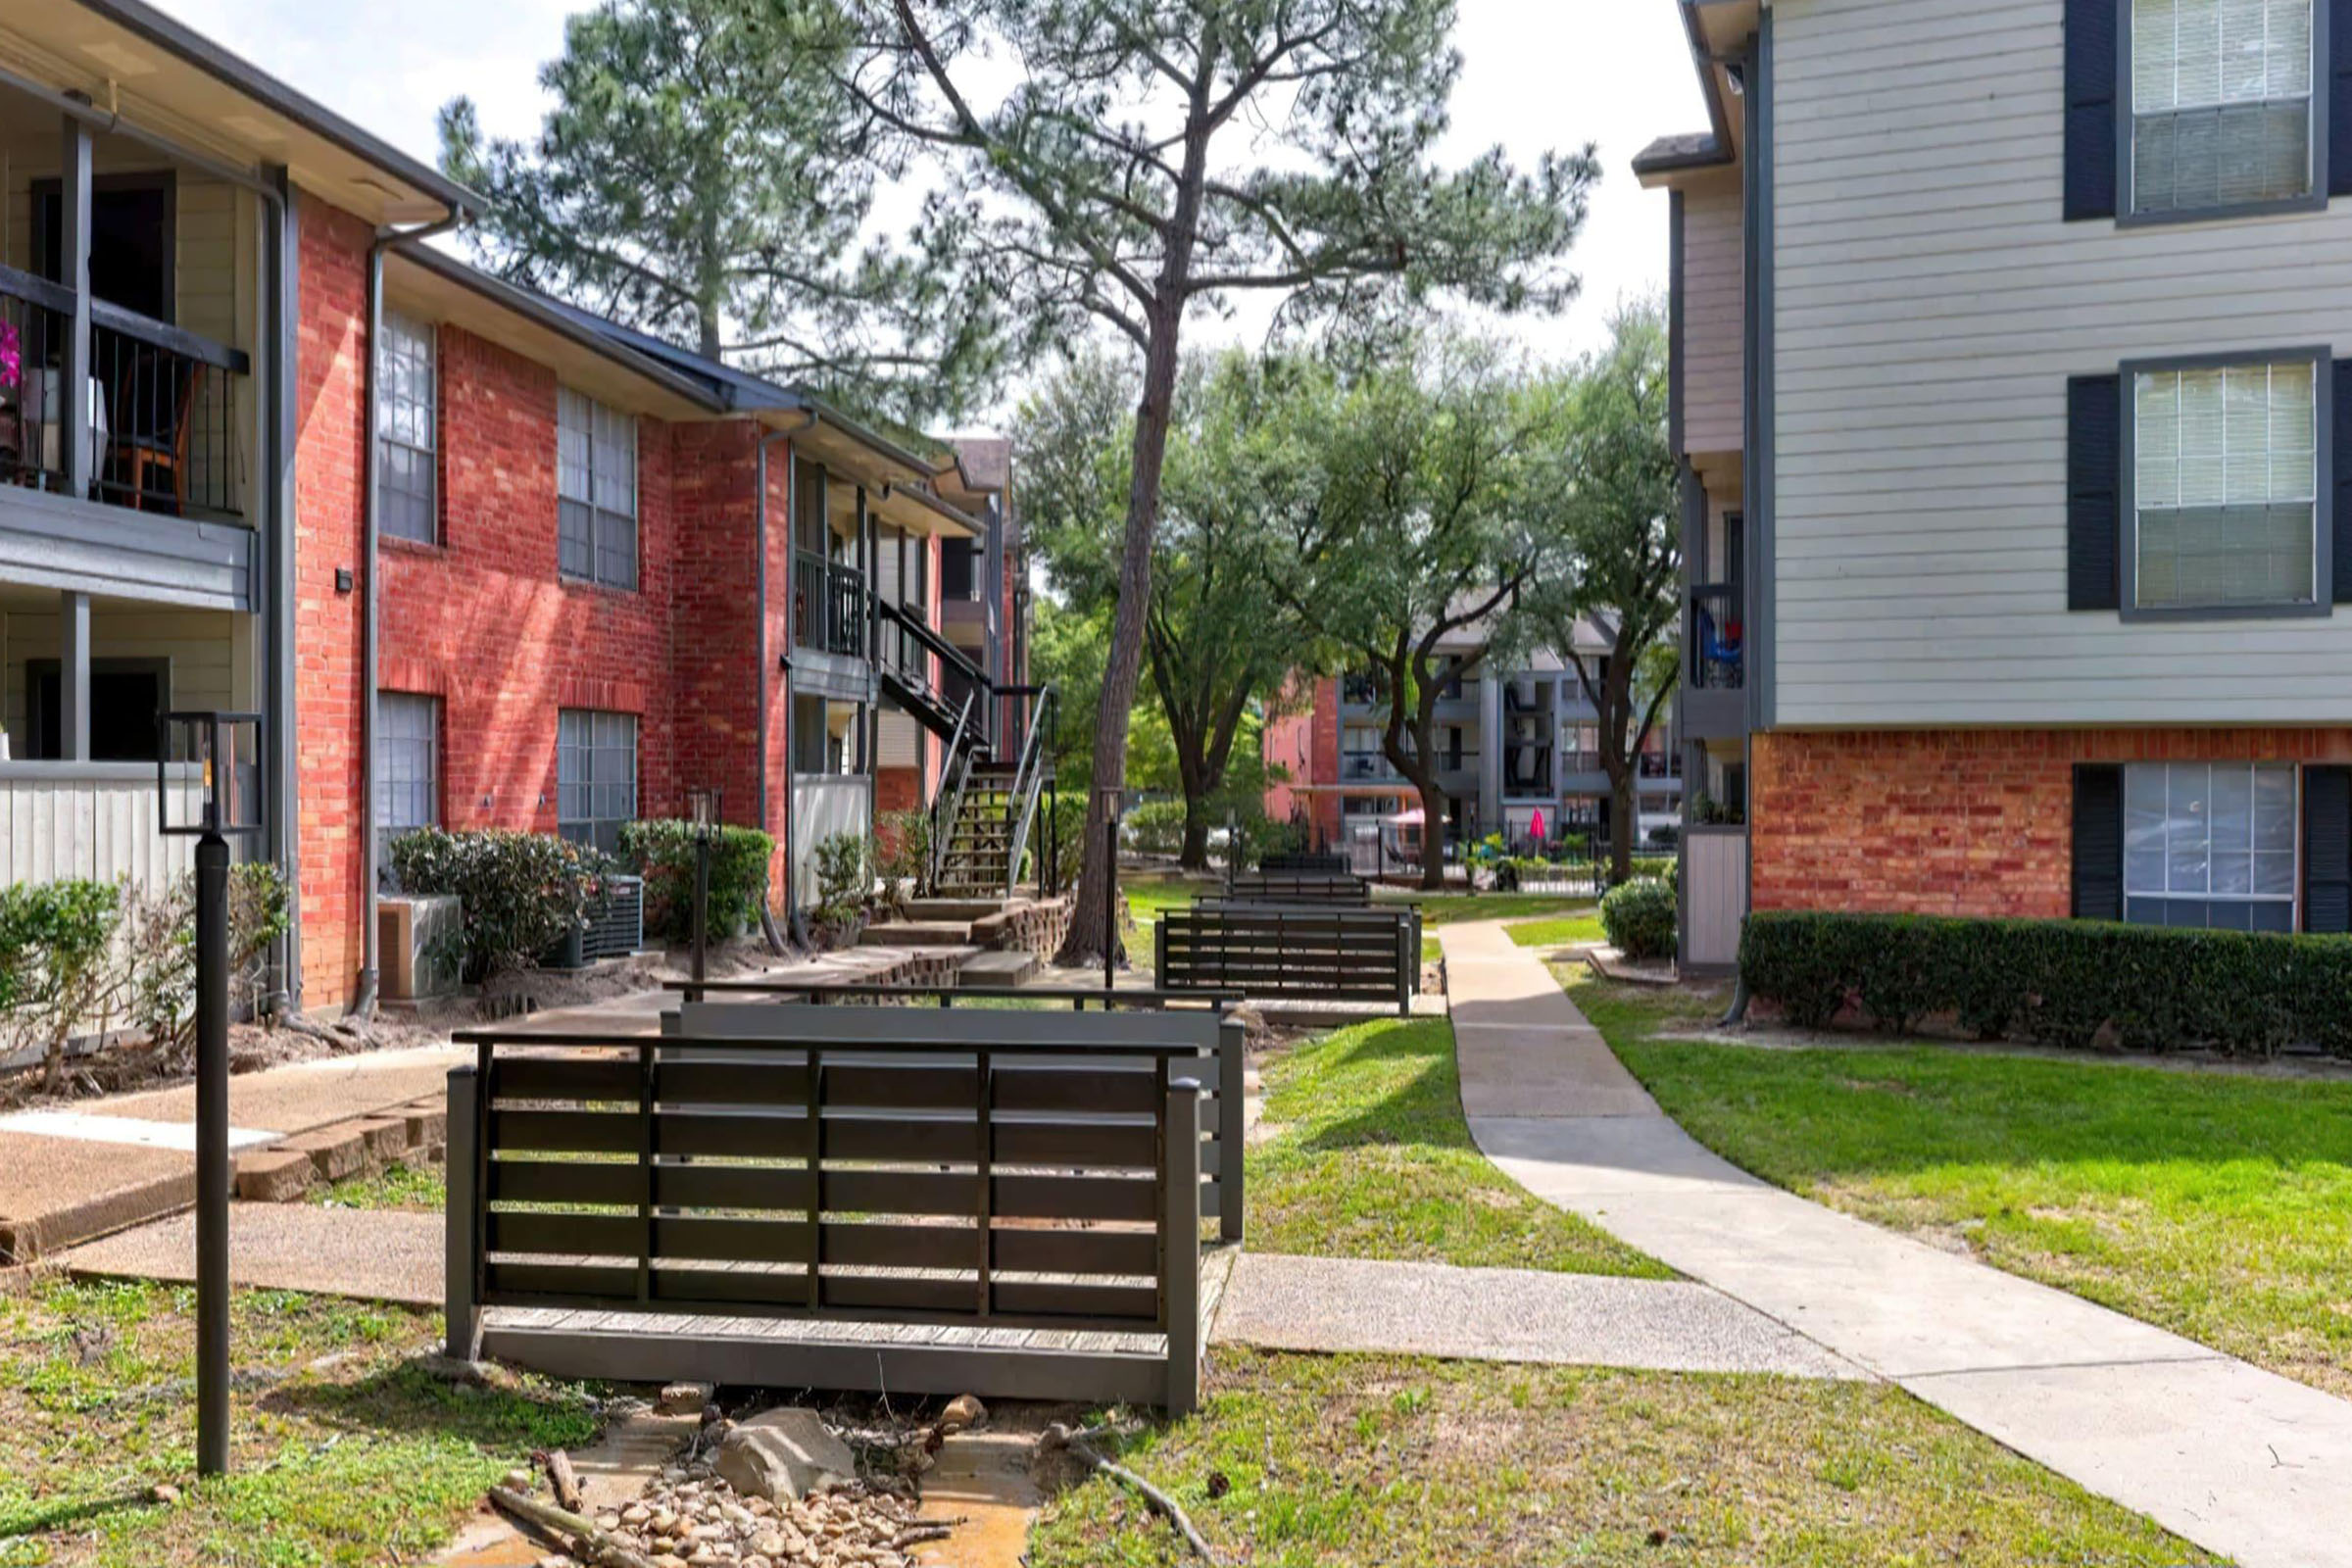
(1001, 968)
(948, 910)
(917, 934)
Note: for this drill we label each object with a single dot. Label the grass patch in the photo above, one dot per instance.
(1371, 1460)
(1449, 909)
(411, 1187)
(1373, 1159)
(1558, 932)
(2213, 1204)
(343, 1452)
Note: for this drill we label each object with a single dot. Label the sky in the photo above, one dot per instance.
(1537, 75)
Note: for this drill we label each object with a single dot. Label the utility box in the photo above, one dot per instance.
(405, 931)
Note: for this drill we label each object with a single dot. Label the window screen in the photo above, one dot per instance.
(408, 751)
(2225, 485)
(596, 776)
(2221, 100)
(596, 488)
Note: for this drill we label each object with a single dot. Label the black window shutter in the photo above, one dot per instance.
(2094, 468)
(2098, 841)
(2090, 108)
(2341, 523)
(2339, 98)
(2327, 849)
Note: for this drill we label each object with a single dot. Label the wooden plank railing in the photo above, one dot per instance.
(1004, 1170)
(1295, 952)
(1335, 888)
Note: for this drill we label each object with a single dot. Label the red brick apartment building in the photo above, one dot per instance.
(598, 571)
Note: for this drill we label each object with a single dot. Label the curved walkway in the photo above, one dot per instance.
(2238, 1460)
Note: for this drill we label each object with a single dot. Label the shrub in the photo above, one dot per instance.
(662, 851)
(1155, 828)
(2057, 982)
(843, 878)
(519, 893)
(902, 855)
(1639, 919)
(157, 979)
(55, 942)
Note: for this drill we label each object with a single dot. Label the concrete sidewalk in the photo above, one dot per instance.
(77, 1171)
(1335, 1305)
(2238, 1460)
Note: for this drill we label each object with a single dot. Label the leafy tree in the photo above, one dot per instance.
(696, 179)
(1214, 640)
(1155, 158)
(1414, 547)
(1614, 523)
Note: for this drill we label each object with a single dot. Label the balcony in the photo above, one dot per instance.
(1364, 767)
(164, 407)
(1714, 702)
(828, 605)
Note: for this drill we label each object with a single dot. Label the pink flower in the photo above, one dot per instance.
(11, 362)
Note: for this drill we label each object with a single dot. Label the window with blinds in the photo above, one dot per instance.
(2210, 845)
(596, 488)
(2221, 103)
(408, 753)
(2225, 485)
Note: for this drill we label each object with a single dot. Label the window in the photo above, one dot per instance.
(2210, 845)
(405, 432)
(959, 573)
(2225, 486)
(596, 486)
(596, 776)
(408, 753)
(2221, 104)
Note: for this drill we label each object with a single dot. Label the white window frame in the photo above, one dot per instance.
(596, 472)
(594, 737)
(2135, 778)
(2127, 119)
(408, 424)
(2321, 601)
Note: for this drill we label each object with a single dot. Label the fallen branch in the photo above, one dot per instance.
(562, 1478)
(1059, 1436)
(918, 1535)
(586, 1542)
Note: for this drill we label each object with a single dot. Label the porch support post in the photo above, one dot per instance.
(274, 434)
(73, 262)
(74, 677)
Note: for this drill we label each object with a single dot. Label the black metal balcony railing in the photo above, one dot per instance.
(1655, 765)
(163, 405)
(1357, 766)
(1717, 658)
(829, 608)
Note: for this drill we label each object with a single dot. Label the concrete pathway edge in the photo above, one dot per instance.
(2237, 1461)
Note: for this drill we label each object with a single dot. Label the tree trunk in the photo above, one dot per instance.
(1623, 822)
(1084, 945)
(1196, 835)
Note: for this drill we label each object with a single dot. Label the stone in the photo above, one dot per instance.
(768, 1544)
(555, 1562)
(683, 1399)
(963, 1411)
(272, 1175)
(636, 1514)
(784, 1455)
(520, 1480)
(165, 1494)
(669, 1559)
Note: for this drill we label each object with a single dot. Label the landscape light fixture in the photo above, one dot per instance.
(207, 786)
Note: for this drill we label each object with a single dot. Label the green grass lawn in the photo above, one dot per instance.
(2213, 1204)
(343, 1452)
(1372, 1158)
(1350, 1460)
(1558, 932)
(1449, 909)
(393, 1187)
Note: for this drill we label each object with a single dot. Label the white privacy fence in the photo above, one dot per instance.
(824, 806)
(94, 820)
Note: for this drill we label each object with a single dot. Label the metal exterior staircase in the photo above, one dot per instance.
(975, 854)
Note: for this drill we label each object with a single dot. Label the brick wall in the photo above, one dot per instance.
(329, 388)
(482, 621)
(1969, 823)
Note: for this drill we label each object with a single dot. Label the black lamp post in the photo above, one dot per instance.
(702, 811)
(226, 803)
(1114, 800)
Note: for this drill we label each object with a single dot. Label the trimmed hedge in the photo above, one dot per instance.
(1640, 920)
(519, 894)
(2057, 982)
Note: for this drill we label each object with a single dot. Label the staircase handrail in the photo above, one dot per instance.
(1028, 782)
(959, 758)
(931, 642)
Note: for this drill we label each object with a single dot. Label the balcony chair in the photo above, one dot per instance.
(155, 406)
